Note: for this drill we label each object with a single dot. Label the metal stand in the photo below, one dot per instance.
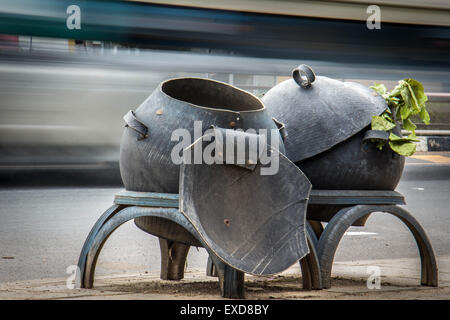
(353, 208)
(131, 205)
(340, 208)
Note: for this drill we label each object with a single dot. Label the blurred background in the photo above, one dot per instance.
(67, 77)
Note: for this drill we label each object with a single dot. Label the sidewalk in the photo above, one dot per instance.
(399, 280)
(427, 157)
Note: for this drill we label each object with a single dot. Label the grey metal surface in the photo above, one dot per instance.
(352, 197)
(96, 228)
(354, 164)
(310, 265)
(253, 222)
(349, 197)
(135, 124)
(322, 115)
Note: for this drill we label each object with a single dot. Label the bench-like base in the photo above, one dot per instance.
(341, 209)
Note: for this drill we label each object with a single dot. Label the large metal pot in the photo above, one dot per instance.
(326, 122)
(145, 153)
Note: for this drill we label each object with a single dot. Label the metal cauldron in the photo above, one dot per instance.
(146, 147)
(327, 121)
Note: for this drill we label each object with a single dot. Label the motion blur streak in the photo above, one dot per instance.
(62, 101)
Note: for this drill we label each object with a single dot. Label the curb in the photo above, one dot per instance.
(433, 143)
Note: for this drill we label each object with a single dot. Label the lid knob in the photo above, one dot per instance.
(303, 75)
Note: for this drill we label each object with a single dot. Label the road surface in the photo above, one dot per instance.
(42, 229)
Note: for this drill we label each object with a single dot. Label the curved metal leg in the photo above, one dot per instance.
(97, 240)
(337, 226)
(231, 281)
(317, 227)
(211, 270)
(90, 238)
(310, 265)
(311, 232)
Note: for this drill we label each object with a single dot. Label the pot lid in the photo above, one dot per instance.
(320, 112)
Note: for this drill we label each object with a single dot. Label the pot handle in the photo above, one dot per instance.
(132, 122)
(376, 134)
(303, 75)
(281, 127)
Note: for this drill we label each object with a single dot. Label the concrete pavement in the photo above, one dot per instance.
(400, 279)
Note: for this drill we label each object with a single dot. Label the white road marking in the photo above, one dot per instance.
(359, 233)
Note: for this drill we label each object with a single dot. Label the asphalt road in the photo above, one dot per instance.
(43, 229)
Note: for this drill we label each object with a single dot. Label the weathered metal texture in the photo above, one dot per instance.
(309, 265)
(145, 153)
(354, 165)
(322, 115)
(253, 222)
(316, 197)
(327, 124)
(338, 225)
(173, 259)
(324, 204)
(104, 228)
(354, 197)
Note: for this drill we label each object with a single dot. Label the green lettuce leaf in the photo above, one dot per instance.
(405, 112)
(411, 138)
(382, 124)
(379, 88)
(409, 125)
(403, 148)
(418, 91)
(425, 116)
(405, 100)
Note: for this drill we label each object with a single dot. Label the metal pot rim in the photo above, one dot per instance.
(244, 92)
